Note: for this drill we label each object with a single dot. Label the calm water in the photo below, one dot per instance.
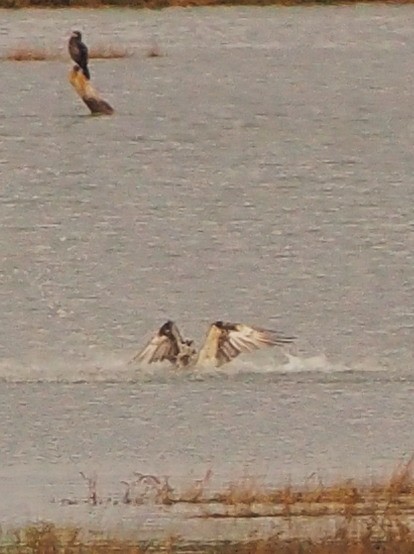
(261, 170)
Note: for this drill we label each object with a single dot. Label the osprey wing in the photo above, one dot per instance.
(225, 341)
(79, 52)
(209, 351)
(83, 53)
(164, 345)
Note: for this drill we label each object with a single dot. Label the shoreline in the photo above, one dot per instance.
(162, 4)
(386, 529)
(242, 517)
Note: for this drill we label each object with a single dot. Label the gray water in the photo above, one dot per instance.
(260, 170)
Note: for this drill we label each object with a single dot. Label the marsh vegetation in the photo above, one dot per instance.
(372, 518)
(30, 53)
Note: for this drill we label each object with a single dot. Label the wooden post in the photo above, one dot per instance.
(89, 95)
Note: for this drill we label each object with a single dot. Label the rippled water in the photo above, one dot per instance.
(260, 171)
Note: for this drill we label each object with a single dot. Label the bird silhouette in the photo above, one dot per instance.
(79, 52)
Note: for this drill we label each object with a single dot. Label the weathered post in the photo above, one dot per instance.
(89, 95)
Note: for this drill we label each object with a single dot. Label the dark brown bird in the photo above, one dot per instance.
(79, 52)
(224, 341)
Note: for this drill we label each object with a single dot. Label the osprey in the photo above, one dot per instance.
(224, 341)
(79, 52)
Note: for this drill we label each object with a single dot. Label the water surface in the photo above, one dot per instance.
(259, 171)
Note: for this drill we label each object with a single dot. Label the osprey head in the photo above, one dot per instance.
(76, 34)
(166, 329)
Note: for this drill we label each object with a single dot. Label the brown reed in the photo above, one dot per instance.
(27, 53)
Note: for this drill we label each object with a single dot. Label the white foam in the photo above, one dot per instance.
(113, 368)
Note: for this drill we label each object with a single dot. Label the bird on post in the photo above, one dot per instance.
(79, 52)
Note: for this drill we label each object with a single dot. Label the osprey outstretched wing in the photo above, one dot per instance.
(164, 345)
(223, 343)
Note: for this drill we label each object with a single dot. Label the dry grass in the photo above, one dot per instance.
(402, 478)
(400, 484)
(26, 53)
(108, 52)
(30, 54)
(48, 539)
(398, 489)
(155, 51)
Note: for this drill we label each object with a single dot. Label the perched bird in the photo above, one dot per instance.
(224, 341)
(79, 52)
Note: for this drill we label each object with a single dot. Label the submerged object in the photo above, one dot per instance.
(223, 343)
(79, 52)
(89, 95)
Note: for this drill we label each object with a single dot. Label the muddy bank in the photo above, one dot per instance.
(159, 4)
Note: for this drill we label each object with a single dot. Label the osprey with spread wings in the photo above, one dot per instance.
(224, 341)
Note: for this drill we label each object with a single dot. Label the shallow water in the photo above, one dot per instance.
(259, 171)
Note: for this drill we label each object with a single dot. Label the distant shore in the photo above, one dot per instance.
(159, 4)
